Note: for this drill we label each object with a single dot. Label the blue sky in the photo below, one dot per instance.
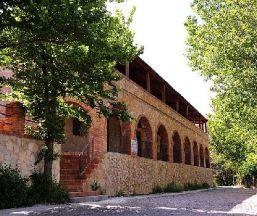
(159, 27)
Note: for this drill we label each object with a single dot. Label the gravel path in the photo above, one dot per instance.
(221, 201)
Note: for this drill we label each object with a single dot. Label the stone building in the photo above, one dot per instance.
(166, 141)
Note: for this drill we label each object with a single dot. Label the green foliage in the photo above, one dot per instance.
(14, 188)
(95, 186)
(17, 191)
(45, 190)
(172, 188)
(63, 49)
(120, 193)
(221, 46)
(195, 186)
(157, 189)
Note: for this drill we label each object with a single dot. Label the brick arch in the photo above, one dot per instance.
(144, 138)
(187, 151)
(207, 158)
(201, 156)
(82, 105)
(196, 154)
(177, 154)
(162, 143)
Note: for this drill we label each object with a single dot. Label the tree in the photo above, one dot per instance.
(59, 49)
(222, 40)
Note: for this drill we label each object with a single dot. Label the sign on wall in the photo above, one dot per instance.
(134, 146)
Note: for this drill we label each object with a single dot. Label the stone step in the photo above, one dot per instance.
(71, 181)
(69, 170)
(83, 194)
(69, 176)
(89, 198)
(69, 166)
(73, 187)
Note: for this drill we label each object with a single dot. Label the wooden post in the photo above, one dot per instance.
(148, 81)
(163, 93)
(187, 110)
(205, 125)
(127, 70)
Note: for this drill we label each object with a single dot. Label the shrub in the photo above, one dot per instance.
(172, 187)
(95, 186)
(13, 188)
(205, 185)
(45, 190)
(157, 189)
(195, 186)
(120, 193)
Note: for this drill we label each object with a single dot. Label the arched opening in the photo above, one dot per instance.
(196, 154)
(201, 156)
(207, 158)
(118, 135)
(76, 131)
(177, 157)
(76, 135)
(113, 135)
(162, 144)
(187, 151)
(144, 138)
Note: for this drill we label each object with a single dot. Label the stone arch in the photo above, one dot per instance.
(144, 138)
(118, 135)
(187, 151)
(207, 158)
(177, 156)
(162, 143)
(201, 156)
(196, 154)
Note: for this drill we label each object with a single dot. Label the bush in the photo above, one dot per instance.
(195, 186)
(16, 192)
(45, 190)
(120, 193)
(172, 187)
(95, 186)
(13, 188)
(157, 189)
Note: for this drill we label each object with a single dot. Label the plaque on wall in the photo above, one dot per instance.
(134, 146)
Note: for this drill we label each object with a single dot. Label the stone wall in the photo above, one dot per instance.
(132, 174)
(21, 153)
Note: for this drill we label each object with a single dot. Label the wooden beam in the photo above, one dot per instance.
(163, 93)
(187, 110)
(127, 70)
(148, 81)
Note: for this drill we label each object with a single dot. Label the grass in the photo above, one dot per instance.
(174, 188)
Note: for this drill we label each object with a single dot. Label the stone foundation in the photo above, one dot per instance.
(21, 153)
(132, 174)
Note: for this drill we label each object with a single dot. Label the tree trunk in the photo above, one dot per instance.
(48, 160)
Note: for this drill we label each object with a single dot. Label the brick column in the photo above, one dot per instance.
(98, 136)
(15, 118)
